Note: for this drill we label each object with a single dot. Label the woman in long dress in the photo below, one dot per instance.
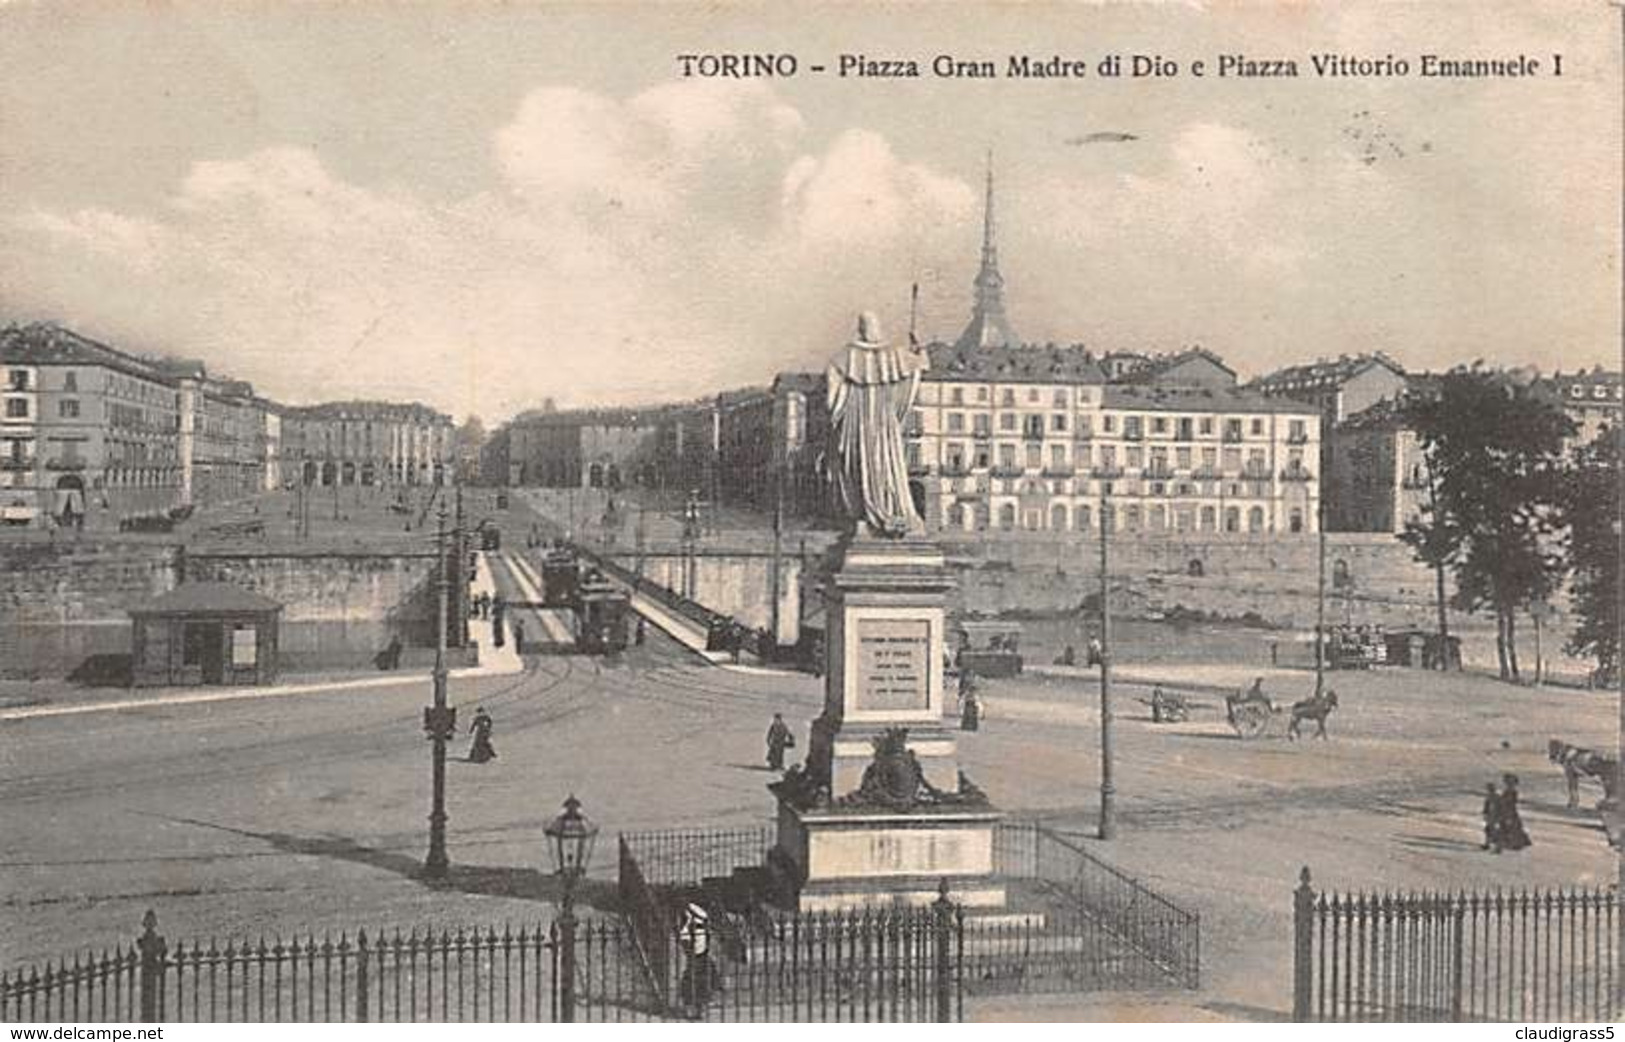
(1512, 833)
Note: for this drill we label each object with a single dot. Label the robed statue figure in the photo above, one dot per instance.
(869, 398)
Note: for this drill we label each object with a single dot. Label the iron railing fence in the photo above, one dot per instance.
(1487, 956)
(868, 965)
(497, 973)
(1128, 916)
(688, 857)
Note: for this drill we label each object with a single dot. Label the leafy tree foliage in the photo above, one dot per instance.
(1591, 510)
(1494, 443)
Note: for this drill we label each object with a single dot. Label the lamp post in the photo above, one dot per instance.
(570, 838)
(1108, 827)
(439, 719)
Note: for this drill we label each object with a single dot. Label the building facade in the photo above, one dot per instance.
(1592, 399)
(86, 432)
(1036, 439)
(1379, 471)
(367, 443)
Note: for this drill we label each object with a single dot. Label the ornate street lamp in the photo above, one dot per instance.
(570, 838)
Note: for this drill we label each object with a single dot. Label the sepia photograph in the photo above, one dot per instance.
(894, 511)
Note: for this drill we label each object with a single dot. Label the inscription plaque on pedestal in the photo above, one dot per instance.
(894, 659)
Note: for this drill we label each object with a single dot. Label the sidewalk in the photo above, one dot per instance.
(494, 662)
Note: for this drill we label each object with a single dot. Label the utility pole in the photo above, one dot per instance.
(439, 720)
(1108, 827)
(1320, 598)
(460, 549)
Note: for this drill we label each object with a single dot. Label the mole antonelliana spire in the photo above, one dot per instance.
(989, 326)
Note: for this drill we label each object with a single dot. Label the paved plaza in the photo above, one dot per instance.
(307, 812)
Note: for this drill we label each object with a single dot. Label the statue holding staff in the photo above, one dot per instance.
(869, 397)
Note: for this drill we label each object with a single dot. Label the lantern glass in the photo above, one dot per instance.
(571, 836)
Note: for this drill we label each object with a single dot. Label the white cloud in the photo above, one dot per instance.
(681, 240)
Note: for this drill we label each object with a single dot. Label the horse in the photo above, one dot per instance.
(1578, 762)
(1317, 709)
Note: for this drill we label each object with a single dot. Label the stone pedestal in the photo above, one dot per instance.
(881, 814)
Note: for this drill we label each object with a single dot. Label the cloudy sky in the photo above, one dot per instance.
(481, 204)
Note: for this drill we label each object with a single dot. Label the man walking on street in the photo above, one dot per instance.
(779, 738)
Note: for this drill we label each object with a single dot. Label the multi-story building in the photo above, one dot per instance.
(222, 436)
(1036, 439)
(1193, 367)
(1338, 388)
(1593, 400)
(86, 431)
(1379, 471)
(1045, 438)
(367, 443)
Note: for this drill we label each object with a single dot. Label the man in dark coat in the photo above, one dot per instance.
(779, 738)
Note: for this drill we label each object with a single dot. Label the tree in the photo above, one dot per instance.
(1494, 444)
(1435, 541)
(1591, 511)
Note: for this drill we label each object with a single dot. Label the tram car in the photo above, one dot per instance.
(561, 578)
(603, 617)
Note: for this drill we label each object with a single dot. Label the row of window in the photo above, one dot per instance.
(1114, 487)
(1132, 518)
(1183, 428)
(958, 457)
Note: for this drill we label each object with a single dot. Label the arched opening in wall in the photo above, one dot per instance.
(369, 474)
(916, 492)
(1255, 519)
(612, 478)
(1159, 518)
(956, 516)
(1195, 568)
(984, 517)
(1342, 578)
(349, 473)
(311, 473)
(1294, 520)
(1083, 519)
(1232, 519)
(1007, 516)
(1132, 518)
(1210, 519)
(330, 474)
(595, 476)
(69, 507)
(1057, 517)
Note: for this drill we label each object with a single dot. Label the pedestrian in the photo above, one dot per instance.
(1069, 656)
(970, 709)
(1158, 704)
(1511, 831)
(640, 634)
(481, 751)
(518, 638)
(779, 738)
(1492, 818)
(694, 938)
(1095, 650)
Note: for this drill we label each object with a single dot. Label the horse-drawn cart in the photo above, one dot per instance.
(1250, 712)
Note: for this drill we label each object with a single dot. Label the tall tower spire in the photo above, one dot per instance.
(989, 326)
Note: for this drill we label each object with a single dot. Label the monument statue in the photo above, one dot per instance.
(869, 398)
